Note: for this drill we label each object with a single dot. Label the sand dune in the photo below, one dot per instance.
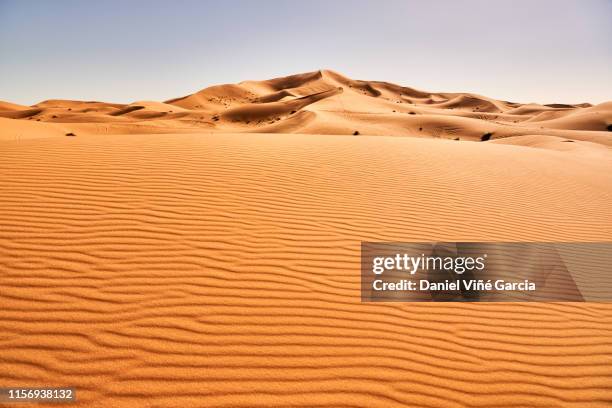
(8, 106)
(322, 102)
(172, 254)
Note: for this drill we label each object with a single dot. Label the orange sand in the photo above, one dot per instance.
(162, 260)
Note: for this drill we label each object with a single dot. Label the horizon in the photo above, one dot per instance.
(284, 76)
(163, 51)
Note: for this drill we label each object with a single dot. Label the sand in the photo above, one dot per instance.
(320, 102)
(162, 260)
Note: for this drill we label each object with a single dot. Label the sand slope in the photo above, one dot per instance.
(222, 270)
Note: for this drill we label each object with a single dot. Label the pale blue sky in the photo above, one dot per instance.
(120, 51)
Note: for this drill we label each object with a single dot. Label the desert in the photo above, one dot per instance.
(204, 250)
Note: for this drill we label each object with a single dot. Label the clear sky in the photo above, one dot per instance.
(121, 51)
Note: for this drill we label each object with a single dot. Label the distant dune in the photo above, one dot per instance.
(204, 251)
(321, 102)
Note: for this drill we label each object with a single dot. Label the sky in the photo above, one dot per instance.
(121, 51)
